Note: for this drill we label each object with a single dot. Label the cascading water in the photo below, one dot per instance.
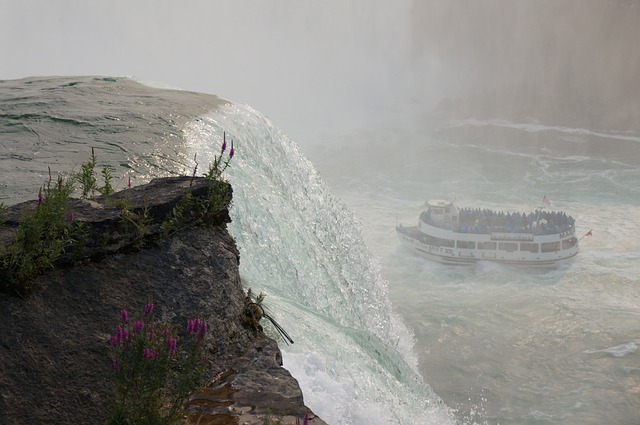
(352, 354)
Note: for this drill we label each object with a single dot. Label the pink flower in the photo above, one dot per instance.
(121, 336)
(224, 143)
(124, 315)
(113, 340)
(232, 151)
(198, 328)
(138, 325)
(148, 354)
(171, 346)
(148, 309)
(72, 216)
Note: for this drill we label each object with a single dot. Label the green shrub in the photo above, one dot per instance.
(41, 237)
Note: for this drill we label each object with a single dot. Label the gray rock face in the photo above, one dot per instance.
(54, 361)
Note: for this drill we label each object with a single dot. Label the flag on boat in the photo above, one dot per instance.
(545, 201)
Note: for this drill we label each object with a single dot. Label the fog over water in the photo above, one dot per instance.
(350, 64)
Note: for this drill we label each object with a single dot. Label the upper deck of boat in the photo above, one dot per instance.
(485, 221)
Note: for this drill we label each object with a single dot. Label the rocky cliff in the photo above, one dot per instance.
(54, 361)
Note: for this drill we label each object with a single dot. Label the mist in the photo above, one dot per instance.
(573, 62)
(323, 70)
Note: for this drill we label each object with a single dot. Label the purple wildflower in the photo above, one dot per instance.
(148, 354)
(40, 198)
(171, 346)
(232, 151)
(72, 216)
(121, 336)
(148, 309)
(224, 143)
(198, 328)
(129, 184)
(113, 340)
(138, 325)
(124, 315)
(305, 421)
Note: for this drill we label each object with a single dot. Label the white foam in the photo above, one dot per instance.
(619, 350)
(472, 122)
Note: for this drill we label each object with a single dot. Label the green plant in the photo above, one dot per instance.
(107, 189)
(41, 238)
(140, 220)
(191, 210)
(219, 199)
(219, 164)
(186, 212)
(254, 312)
(87, 176)
(154, 374)
(3, 213)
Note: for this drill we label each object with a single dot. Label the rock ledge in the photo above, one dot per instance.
(54, 363)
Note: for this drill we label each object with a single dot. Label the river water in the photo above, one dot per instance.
(503, 344)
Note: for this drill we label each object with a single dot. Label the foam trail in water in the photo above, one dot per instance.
(471, 122)
(352, 354)
(619, 350)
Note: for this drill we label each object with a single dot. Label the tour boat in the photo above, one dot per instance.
(453, 235)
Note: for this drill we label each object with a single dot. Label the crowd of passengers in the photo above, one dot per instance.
(487, 221)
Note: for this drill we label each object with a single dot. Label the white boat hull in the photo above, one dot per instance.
(410, 238)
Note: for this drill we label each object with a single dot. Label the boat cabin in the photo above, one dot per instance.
(443, 213)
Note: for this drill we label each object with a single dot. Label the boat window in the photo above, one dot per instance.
(430, 240)
(530, 247)
(550, 247)
(508, 246)
(487, 245)
(569, 243)
(466, 244)
(448, 243)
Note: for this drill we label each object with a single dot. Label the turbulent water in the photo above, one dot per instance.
(382, 336)
(504, 345)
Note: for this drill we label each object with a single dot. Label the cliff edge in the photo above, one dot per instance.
(54, 362)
